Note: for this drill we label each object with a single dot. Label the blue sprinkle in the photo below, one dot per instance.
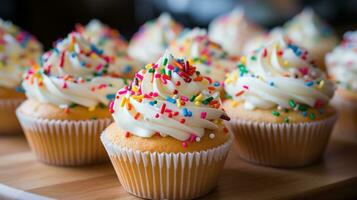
(83, 63)
(216, 84)
(20, 89)
(304, 113)
(169, 99)
(127, 69)
(271, 83)
(186, 112)
(73, 55)
(176, 69)
(110, 96)
(309, 84)
(96, 50)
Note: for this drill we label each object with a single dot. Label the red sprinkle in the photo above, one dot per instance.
(163, 107)
(127, 134)
(239, 93)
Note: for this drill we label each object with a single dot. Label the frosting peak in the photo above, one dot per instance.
(171, 98)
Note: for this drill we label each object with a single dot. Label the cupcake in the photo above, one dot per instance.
(66, 107)
(168, 140)
(232, 31)
(209, 57)
(310, 32)
(113, 44)
(18, 50)
(342, 67)
(279, 106)
(152, 39)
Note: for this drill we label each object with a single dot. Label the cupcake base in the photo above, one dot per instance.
(153, 175)
(282, 144)
(9, 124)
(65, 142)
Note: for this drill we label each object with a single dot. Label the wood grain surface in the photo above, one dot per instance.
(335, 176)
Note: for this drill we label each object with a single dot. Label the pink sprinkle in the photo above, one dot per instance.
(203, 115)
(184, 98)
(192, 138)
(139, 76)
(99, 67)
(157, 115)
(245, 87)
(157, 75)
(64, 86)
(62, 59)
(170, 67)
(122, 91)
(184, 144)
(304, 70)
(111, 105)
(155, 94)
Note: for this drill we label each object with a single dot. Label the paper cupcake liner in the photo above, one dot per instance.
(347, 122)
(167, 175)
(65, 142)
(8, 121)
(281, 144)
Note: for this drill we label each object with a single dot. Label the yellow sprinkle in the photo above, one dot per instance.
(321, 84)
(199, 97)
(135, 88)
(91, 108)
(285, 63)
(234, 104)
(148, 66)
(197, 103)
(216, 121)
(93, 56)
(276, 46)
(228, 81)
(178, 103)
(123, 101)
(243, 59)
(190, 61)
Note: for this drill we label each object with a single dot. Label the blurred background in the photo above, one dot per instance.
(50, 20)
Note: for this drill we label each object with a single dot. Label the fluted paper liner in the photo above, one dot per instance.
(65, 142)
(8, 121)
(281, 144)
(154, 175)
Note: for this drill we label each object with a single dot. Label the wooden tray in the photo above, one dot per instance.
(22, 177)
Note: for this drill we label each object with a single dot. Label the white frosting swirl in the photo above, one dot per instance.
(75, 71)
(152, 39)
(342, 62)
(209, 57)
(18, 50)
(158, 101)
(310, 32)
(232, 31)
(280, 74)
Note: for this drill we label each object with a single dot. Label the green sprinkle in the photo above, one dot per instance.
(275, 113)
(286, 120)
(312, 116)
(292, 103)
(163, 71)
(170, 73)
(165, 61)
(253, 58)
(72, 105)
(207, 101)
(302, 107)
(193, 98)
(152, 70)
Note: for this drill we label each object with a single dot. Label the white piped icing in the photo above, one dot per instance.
(74, 72)
(232, 31)
(18, 50)
(279, 75)
(152, 39)
(171, 98)
(342, 62)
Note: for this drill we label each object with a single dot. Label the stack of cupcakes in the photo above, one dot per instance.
(168, 140)
(18, 50)
(279, 106)
(67, 99)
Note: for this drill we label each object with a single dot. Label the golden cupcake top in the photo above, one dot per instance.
(171, 99)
